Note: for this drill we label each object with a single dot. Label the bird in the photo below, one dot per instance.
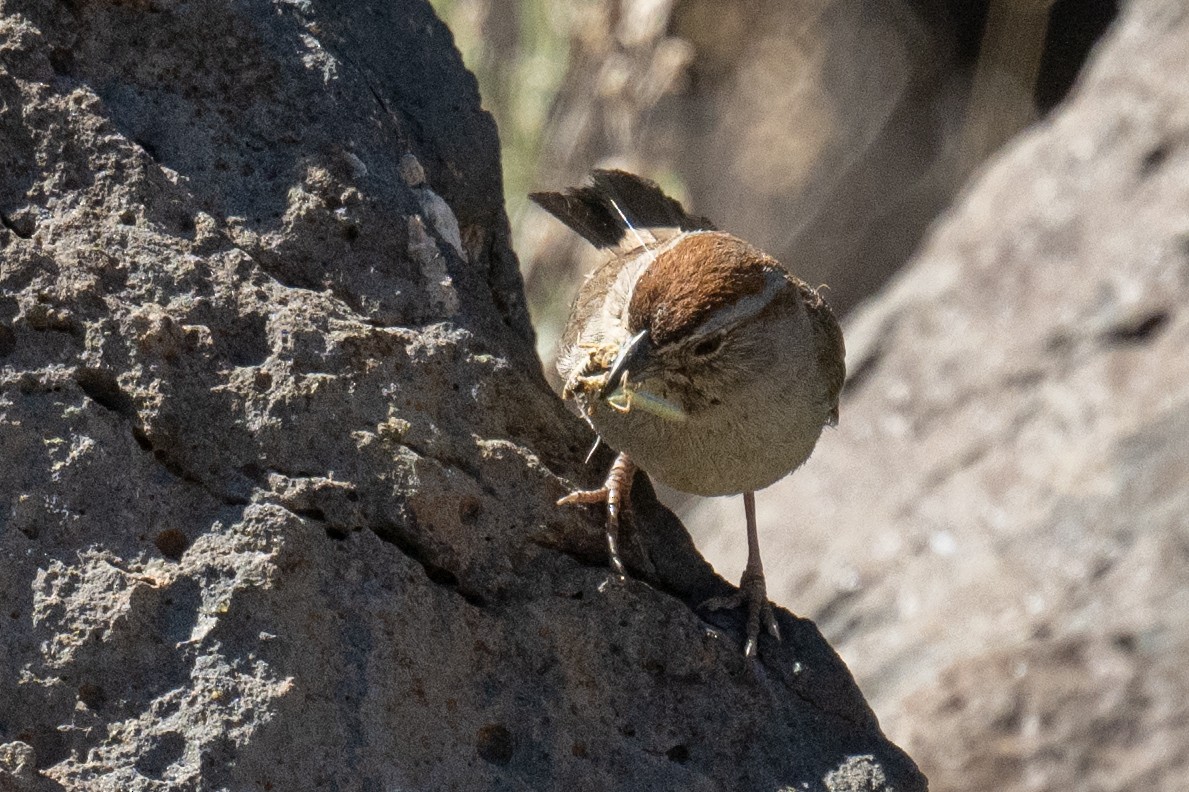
(697, 357)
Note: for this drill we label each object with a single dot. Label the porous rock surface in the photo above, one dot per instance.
(996, 537)
(279, 466)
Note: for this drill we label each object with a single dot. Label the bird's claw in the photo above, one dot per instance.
(615, 492)
(599, 495)
(752, 592)
(602, 495)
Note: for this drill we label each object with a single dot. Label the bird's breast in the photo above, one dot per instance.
(721, 449)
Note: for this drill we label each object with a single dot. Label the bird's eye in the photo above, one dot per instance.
(708, 346)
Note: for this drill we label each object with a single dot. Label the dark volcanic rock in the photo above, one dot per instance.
(997, 535)
(277, 502)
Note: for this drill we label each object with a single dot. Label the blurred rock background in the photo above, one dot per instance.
(997, 536)
(831, 133)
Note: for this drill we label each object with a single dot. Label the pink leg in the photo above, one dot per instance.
(752, 588)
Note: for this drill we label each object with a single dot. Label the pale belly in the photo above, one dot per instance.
(716, 451)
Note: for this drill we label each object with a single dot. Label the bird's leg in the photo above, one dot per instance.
(752, 589)
(615, 492)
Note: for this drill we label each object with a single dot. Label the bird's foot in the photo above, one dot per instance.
(615, 492)
(752, 592)
(601, 495)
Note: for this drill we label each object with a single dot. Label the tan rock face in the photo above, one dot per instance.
(995, 534)
(279, 465)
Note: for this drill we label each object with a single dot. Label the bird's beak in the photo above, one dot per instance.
(630, 360)
(623, 394)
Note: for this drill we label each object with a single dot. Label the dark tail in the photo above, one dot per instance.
(614, 201)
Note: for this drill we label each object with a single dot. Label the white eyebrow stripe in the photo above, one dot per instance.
(747, 307)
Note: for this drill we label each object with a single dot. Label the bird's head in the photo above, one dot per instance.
(702, 320)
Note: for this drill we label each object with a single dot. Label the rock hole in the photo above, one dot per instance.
(101, 386)
(678, 754)
(172, 543)
(494, 744)
(62, 61)
(21, 227)
(92, 696)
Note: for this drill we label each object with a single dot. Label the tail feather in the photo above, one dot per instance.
(619, 210)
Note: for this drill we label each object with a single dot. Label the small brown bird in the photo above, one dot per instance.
(696, 356)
